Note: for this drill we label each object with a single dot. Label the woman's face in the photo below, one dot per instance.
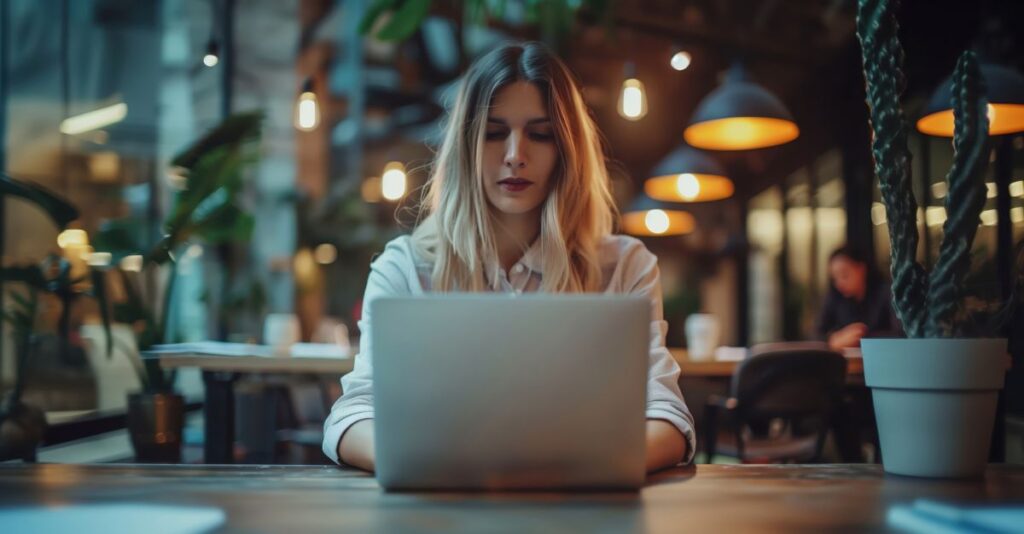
(519, 152)
(849, 276)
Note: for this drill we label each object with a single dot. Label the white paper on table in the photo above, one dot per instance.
(213, 348)
(112, 518)
(318, 350)
(730, 354)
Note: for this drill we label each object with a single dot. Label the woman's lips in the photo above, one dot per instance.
(514, 185)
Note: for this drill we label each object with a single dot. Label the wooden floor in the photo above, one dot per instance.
(705, 498)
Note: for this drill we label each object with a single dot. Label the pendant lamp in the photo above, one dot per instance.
(1004, 88)
(652, 218)
(740, 115)
(688, 175)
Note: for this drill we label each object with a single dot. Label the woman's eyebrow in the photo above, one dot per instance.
(499, 120)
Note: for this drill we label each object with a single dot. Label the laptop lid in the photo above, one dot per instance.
(510, 392)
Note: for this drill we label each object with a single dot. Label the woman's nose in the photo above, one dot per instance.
(514, 156)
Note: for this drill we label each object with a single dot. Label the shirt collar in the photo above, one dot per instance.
(532, 258)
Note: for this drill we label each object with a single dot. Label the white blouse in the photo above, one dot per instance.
(628, 268)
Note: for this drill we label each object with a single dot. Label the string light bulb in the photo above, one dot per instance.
(633, 96)
(393, 181)
(212, 56)
(307, 110)
(680, 60)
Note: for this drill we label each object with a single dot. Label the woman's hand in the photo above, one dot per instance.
(356, 446)
(666, 446)
(847, 336)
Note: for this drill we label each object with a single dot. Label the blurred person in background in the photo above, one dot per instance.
(858, 304)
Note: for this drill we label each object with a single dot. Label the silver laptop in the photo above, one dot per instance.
(478, 391)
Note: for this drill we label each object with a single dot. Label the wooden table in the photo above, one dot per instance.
(704, 498)
(722, 369)
(219, 375)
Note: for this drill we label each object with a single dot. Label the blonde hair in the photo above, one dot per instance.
(457, 233)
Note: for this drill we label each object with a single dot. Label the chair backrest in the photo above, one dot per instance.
(790, 381)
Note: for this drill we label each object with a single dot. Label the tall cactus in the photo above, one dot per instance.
(925, 306)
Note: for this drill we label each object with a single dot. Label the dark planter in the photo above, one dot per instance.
(22, 428)
(155, 421)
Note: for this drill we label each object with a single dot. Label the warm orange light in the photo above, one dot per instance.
(1003, 119)
(658, 222)
(689, 187)
(741, 133)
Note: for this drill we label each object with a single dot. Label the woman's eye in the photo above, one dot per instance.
(542, 136)
(492, 135)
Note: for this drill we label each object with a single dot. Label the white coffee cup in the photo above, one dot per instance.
(281, 331)
(701, 336)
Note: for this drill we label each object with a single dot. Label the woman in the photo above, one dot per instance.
(518, 202)
(859, 302)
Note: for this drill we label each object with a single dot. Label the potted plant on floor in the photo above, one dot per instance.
(935, 393)
(22, 427)
(207, 209)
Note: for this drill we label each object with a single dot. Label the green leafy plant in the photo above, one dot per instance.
(207, 209)
(397, 20)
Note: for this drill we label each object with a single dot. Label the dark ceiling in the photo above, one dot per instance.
(805, 51)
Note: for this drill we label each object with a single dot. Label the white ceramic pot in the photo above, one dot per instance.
(935, 402)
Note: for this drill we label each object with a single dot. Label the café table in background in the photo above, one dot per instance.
(223, 363)
(713, 368)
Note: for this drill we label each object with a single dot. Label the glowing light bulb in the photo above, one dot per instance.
(72, 237)
(94, 120)
(656, 221)
(935, 215)
(633, 100)
(307, 112)
(212, 57)
(132, 264)
(97, 259)
(393, 181)
(680, 60)
(325, 253)
(878, 213)
(688, 186)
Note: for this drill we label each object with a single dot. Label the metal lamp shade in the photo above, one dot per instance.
(688, 175)
(652, 218)
(1005, 93)
(740, 115)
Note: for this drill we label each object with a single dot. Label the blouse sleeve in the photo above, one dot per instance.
(388, 276)
(664, 398)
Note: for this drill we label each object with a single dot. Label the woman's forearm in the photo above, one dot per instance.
(666, 446)
(356, 445)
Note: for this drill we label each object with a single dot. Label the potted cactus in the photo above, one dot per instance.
(935, 393)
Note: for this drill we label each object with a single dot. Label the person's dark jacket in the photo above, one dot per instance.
(875, 311)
